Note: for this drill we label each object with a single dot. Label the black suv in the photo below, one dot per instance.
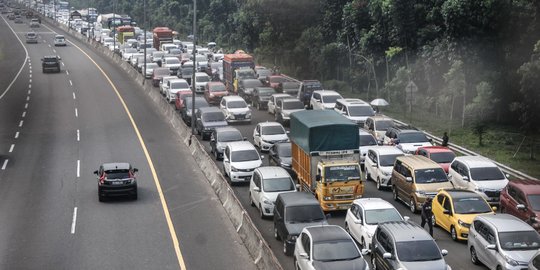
(261, 96)
(51, 63)
(246, 87)
(200, 102)
(293, 211)
(116, 179)
(208, 119)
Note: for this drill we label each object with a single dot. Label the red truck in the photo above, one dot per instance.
(233, 62)
(162, 35)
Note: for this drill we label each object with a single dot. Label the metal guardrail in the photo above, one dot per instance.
(459, 149)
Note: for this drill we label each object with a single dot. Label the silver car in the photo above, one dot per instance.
(221, 137)
(502, 242)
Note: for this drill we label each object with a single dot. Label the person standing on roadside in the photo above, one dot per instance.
(427, 215)
(445, 140)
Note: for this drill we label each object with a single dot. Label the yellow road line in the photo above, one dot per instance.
(172, 231)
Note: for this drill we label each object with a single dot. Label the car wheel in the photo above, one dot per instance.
(261, 213)
(363, 243)
(474, 257)
(379, 187)
(347, 228)
(412, 205)
(395, 193)
(368, 177)
(101, 197)
(134, 196)
(433, 221)
(276, 235)
(251, 200)
(373, 262)
(499, 267)
(286, 249)
(453, 233)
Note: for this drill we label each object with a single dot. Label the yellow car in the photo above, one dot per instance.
(455, 209)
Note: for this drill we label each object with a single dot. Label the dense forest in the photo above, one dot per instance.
(473, 61)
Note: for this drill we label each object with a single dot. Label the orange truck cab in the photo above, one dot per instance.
(233, 62)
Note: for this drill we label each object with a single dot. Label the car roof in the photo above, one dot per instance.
(177, 80)
(379, 117)
(373, 203)
(476, 161)
(505, 222)
(281, 95)
(386, 150)
(404, 231)
(325, 233)
(268, 124)
(528, 186)
(231, 98)
(215, 83)
(272, 172)
(419, 162)
(327, 92)
(461, 193)
(116, 166)
(209, 109)
(436, 149)
(297, 199)
(291, 99)
(201, 74)
(239, 146)
(227, 129)
(352, 102)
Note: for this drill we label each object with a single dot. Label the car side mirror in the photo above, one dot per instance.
(42, 59)
(257, 189)
(491, 246)
(494, 208)
(212, 140)
(245, 138)
(257, 134)
(59, 58)
(521, 207)
(444, 252)
(406, 218)
(408, 179)
(375, 165)
(365, 251)
(507, 175)
(358, 221)
(262, 156)
(328, 216)
(465, 178)
(447, 212)
(387, 255)
(95, 172)
(304, 255)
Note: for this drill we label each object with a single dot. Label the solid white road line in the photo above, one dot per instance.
(74, 95)
(26, 106)
(78, 168)
(16, 135)
(78, 135)
(5, 164)
(30, 70)
(24, 114)
(49, 44)
(76, 113)
(11, 148)
(74, 221)
(21, 123)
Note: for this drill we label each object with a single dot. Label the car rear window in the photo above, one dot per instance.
(361, 111)
(442, 157)
(213, 117)
(117, 174)
(217, 88)
(293, 105)
(339, 250)
(230, 136)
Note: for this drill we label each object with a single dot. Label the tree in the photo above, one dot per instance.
(455, 84)
(481, 110)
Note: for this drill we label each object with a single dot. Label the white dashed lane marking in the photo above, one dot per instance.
(27, 98)
(21, 123)
(78, 135)
(74, 97)
(11, 148)
(16, 135)
(5, 164)
(76, 113)
(78, 168)
(24, 114)
(67, 72)
(70, 82)
(74, 221)
(26, 106)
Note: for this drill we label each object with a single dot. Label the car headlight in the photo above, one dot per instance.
(327, 198)
(234, 169)
(463, 223)
(510, 261)
(211, 95)
(267, 201)
(248, 115)
(285, 164)
(479, 189)
(386, 173)
(231, 116)
(292, 237)
(420, 192)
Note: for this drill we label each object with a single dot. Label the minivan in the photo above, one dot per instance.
(240, 159)
(414, 178)
(354, 109)
(293, 212)
(521, 198)
(265, 185)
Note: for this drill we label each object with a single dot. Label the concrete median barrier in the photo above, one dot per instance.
(258, 248)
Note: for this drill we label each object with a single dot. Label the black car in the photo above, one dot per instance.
(208, 119)
(260, 97)
(246, 87)
(280, 154)
(306, 90)
(116, 179)
(51, 63)
(220, 137)
(200, 102)
(290, 88)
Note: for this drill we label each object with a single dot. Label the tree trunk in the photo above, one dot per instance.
(531, 155)
(451, 113)
(464, 105)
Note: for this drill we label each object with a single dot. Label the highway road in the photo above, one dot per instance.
(55, 130)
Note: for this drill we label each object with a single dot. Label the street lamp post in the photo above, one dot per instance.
(193, 118)
(144, 29)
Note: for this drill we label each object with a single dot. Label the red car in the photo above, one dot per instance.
(159, 73)
(521, 198)
(440, 154)
(214, 91)
(274, 80)
(179, 101)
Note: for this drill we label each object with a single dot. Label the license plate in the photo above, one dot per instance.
(239, 117)
(247, 178)
(117, 182)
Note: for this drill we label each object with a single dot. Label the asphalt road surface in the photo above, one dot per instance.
(55, 130)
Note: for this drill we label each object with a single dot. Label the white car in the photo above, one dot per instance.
(379, 163)
(272, 101)
(366, 141)
(134, 58)
(149, 69)
(324, 99)
(127, 53)
(478, 174)
(265, 185)
(175, 86)
(163, 84)
(201, 79)
(240, 159)
(172, 63)
(59, 40)
(284, 108)
(365, 215)
(354, 109)
(235, 109)
(266, 134)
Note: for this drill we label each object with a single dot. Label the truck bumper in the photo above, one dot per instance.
(335, 205)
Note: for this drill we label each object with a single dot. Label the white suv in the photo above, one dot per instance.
(479, 174)
(354, 109)
(324, 99)
(266, 134)
(201, 79)
(172, 63)
(175, 86)
(265, 185)
(235, 109)
(163, 84)
(379, 163)
(240, 159)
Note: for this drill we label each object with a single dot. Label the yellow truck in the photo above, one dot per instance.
(325, 157)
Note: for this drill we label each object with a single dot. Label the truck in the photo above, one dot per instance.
(162, 35)
(233, 62)
(125, 32)
(325, 157)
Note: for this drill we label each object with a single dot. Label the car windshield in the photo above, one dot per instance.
(213, 117)
(418, 251)
(304, 214)
(230, 136)
(471, 205)
(202, 78)
(338, 250)
(151, 65)
(266, 91)
(244, 155)
(277, 79)
(264, 72)
(172, 61)
(330, 99)
(384, 124)
(388, 160)
(442, 157)
(413, 137)
(486, 174)
(291, 85)
(428, 176)
(217, 88)
(342, 173)
(272, 130)
(199, 103)
(285, 150)
(367, 140)
(162, 71)
(179, 85)
(251, 83)
(117, 174)
(293, 105)
(236, 104)
(519, 240)
(246, 75)
(278, 184)
(361, 111)
(187, 71)
(534, 200)
(376, 216)
(130, 50)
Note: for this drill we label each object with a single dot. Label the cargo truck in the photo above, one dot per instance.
(233, 62)
(325, 157)
(125, 32)
(162, 35)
